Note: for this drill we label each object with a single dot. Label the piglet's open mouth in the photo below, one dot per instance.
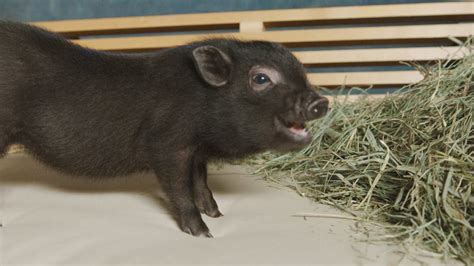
(297, 128)
(294, 130)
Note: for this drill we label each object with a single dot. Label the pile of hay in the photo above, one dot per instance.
(407, 159)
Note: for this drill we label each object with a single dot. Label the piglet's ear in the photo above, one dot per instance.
(213, 65)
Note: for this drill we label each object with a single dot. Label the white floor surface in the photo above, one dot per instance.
(52, 219)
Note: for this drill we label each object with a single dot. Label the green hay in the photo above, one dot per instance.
(407, 160)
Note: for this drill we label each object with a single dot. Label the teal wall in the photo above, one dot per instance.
(34, 10)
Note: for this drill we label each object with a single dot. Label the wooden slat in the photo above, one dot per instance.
(376, 78)
(354, 14)
(360, 35)
(15, 149)
(251, 26)
(354, 98)
(374, 56)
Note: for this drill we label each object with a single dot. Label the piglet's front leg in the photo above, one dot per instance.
(175, 175)
(203, 197)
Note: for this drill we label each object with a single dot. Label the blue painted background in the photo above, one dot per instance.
(35, 10)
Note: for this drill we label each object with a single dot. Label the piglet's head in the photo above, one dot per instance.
(264, 94)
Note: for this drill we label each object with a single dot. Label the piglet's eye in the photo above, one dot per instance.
(261, 78)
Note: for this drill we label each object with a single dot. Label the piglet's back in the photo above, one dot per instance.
(76, 109)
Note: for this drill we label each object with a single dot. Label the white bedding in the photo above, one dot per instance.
(52, 219)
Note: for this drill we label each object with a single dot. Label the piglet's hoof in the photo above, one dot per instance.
(214, 213)
(195, 227)
(208, 206)
(211, 211)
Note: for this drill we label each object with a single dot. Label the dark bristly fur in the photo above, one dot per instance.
(95, 113)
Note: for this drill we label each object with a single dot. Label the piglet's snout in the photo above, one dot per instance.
(317, 108)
